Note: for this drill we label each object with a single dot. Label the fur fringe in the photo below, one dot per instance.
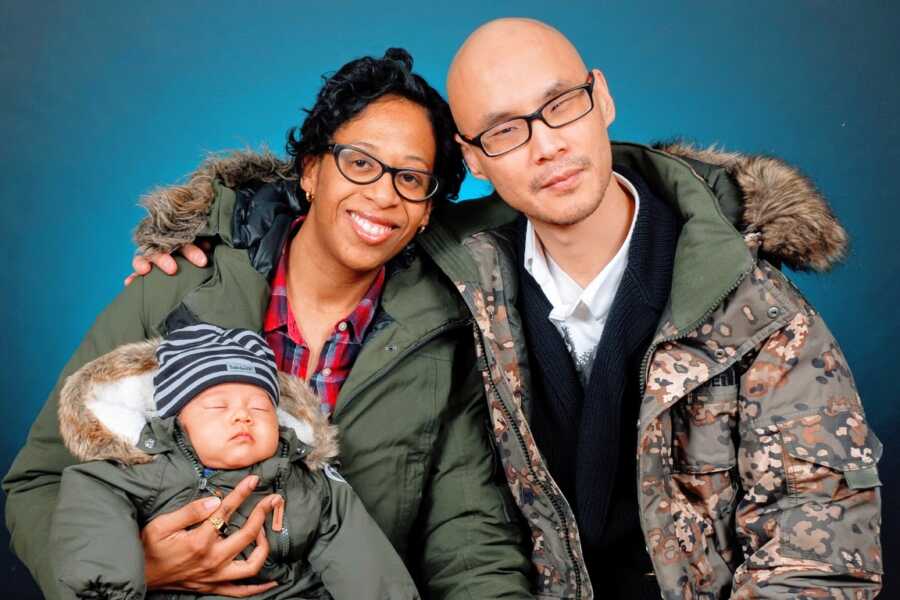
(300, 402)
(88, 438)
(82, 432)
(178, 213)
(783, 205)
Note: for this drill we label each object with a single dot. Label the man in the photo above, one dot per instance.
(652, 324)
(641, 304)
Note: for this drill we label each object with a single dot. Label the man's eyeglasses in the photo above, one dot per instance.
(362, 168)
(557, 112)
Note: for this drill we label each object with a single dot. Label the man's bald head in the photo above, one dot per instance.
(499, 51)
(510, 68)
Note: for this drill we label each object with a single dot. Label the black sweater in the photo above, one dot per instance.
(588, 434)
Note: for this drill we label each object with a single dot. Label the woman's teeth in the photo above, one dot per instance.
(368, 226)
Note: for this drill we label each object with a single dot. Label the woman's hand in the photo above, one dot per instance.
(200, 560)
(165, 263)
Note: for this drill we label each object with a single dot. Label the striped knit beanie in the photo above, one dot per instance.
(194, 358)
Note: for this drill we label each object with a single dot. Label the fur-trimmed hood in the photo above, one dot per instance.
(783, 206)
(104, 406)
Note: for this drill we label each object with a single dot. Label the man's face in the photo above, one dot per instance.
(231, 426)
(560, 176)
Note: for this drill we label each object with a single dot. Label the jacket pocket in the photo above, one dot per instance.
(832, 510)
(704, 482)
(825, 453)
(702, 430)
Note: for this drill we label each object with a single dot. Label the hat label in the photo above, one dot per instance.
(240, 366)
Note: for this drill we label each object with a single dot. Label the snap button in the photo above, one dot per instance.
(342, 326)
(720, 354)
(391, 347)
(773, 312)
(149, 443)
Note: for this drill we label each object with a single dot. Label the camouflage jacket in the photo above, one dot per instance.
(757, 471)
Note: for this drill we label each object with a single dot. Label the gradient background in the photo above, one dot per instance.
(103, 100)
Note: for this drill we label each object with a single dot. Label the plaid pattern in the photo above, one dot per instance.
(341, 348)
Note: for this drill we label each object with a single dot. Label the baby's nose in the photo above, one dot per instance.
(241, 414)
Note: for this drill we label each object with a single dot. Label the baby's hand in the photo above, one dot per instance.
(278, 513)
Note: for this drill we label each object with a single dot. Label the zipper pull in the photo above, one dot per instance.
(284, 542)
(202, 484)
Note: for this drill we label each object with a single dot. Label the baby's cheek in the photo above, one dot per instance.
(271, 442)
(208, 443)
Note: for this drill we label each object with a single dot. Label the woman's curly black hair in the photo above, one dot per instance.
(363, 81)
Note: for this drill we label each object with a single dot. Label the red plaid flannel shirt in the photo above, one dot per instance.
(341, 348)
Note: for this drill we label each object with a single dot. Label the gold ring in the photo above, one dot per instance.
(218, 524)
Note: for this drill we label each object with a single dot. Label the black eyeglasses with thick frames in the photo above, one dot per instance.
(360, 167)
(557, 112)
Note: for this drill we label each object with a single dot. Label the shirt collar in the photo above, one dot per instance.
(279, 314)
(362, 316)
(599, 294)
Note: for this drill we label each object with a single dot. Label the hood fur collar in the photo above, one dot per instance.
(781, 204)
(104, 406)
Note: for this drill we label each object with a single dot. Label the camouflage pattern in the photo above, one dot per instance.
(756, 468)
(556, 547)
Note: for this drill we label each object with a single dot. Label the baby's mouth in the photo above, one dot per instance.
(242, 436)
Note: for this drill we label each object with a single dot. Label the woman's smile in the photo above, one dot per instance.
(370, 229)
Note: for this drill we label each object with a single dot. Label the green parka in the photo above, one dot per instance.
(138, 467)
(415, 441)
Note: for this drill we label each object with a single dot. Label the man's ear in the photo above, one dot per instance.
(472, 157)
(603, 99)
(309, 179)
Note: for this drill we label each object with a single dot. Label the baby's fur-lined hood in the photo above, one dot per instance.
(104, 406)
(781, 204)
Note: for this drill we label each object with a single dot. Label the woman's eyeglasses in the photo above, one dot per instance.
(362, 168)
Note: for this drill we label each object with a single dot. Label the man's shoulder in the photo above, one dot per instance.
(470, 217)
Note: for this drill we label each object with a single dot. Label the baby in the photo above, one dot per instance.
(162, 423)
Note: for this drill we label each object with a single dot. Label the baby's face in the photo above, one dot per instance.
(231, 425)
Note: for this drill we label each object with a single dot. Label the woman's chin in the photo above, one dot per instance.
(366, 259)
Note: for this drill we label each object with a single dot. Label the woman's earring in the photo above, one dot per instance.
(310, 197)
(421, 229)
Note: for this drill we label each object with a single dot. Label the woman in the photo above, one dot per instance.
(349, 305)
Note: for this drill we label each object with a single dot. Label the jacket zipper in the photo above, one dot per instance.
(283, 535)
(645, 366)
(686, 330)
(557, 507)
(715, 305)
(203, 485)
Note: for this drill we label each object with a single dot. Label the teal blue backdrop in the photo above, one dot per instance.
(101, 101)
